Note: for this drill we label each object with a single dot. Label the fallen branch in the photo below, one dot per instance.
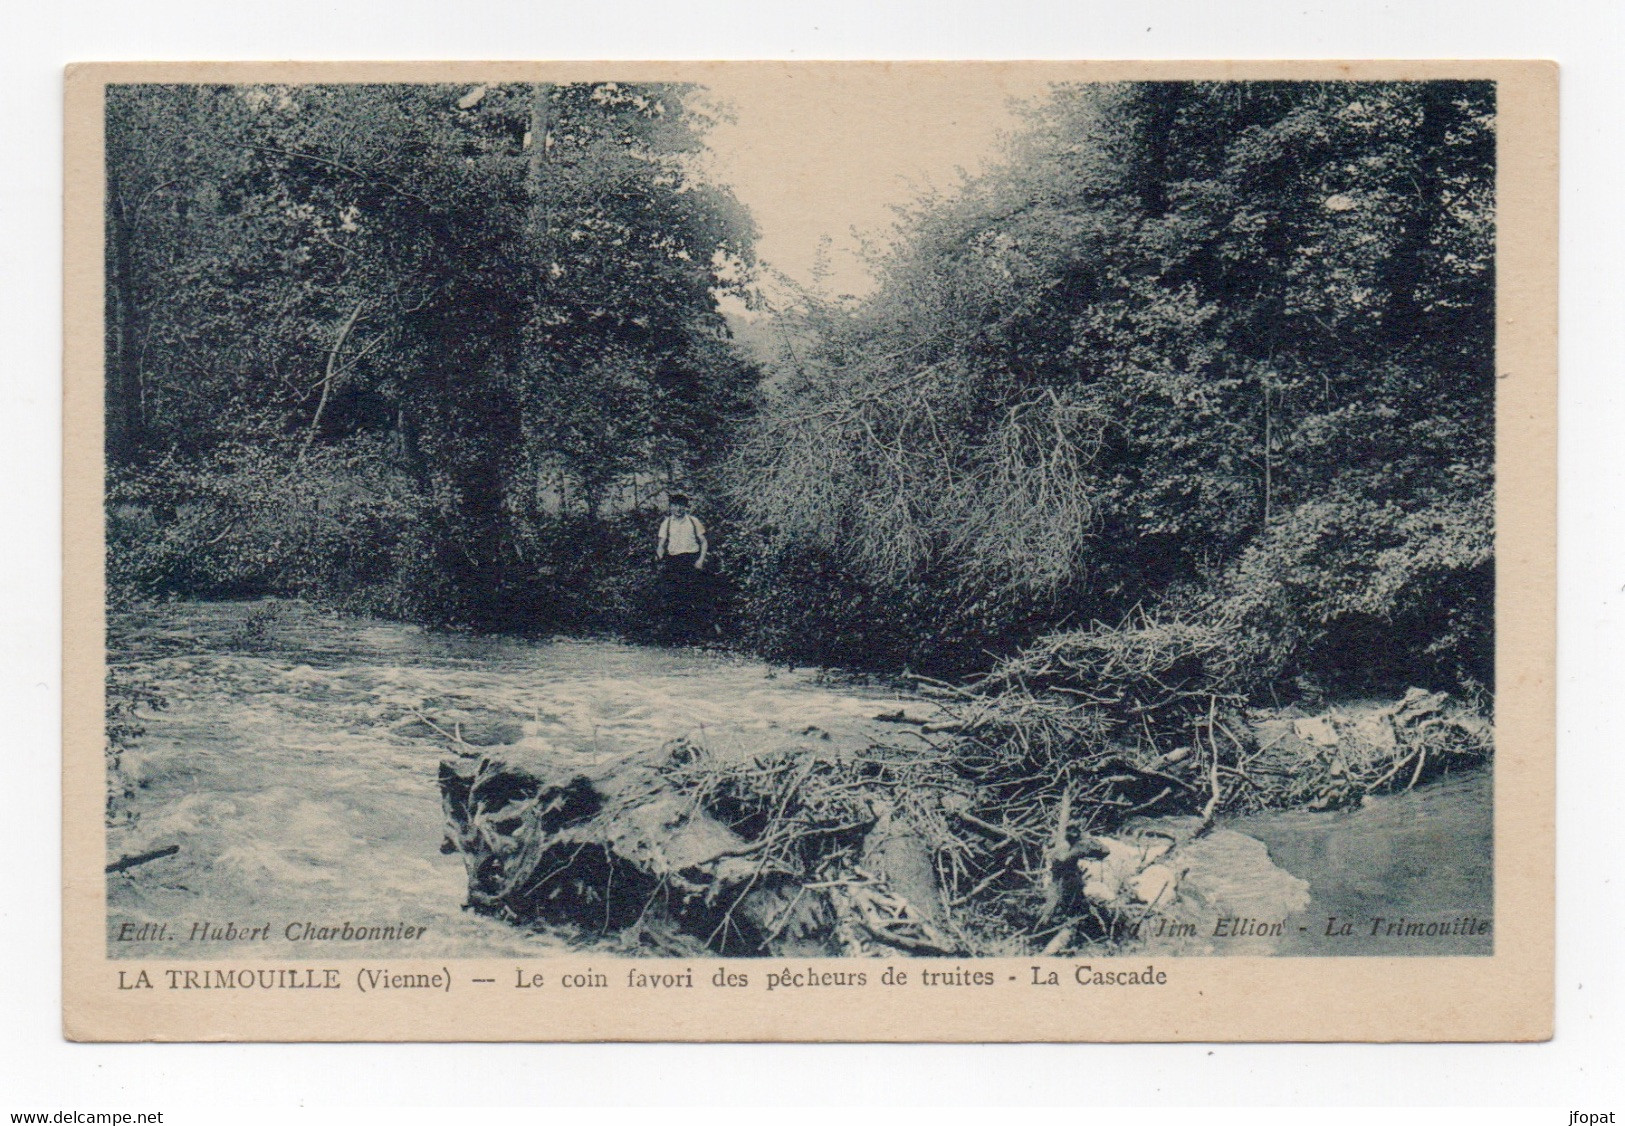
(454, 736)
(1212, 806)
(125, 863)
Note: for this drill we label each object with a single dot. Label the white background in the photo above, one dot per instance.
(1580, 1070)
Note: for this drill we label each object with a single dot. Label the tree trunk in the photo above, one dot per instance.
(327, 379)
(541, 131)
(1407, 263)
(125, 429)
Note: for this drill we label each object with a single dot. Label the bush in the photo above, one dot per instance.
(576, 574)
(248, 521)
(345, 528)
(1364, 596)
(806, 607)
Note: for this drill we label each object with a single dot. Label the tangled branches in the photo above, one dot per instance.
(869, 831)
(1164, 700)
(901, 473)
(960, 843)
(1040, 779)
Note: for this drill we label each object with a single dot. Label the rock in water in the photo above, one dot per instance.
(1154, 884)
(1229, 898)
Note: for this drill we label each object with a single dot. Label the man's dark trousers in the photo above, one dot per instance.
(680, 583)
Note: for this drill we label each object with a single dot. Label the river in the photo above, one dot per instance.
(1424, 855)
(295, 767)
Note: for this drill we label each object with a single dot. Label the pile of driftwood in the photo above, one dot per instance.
(1336, 757)
(800, 850)
(1170, 697)
(1015, 816)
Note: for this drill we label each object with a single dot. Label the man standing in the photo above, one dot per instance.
(681, 549)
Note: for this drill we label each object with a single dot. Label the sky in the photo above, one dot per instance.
(822, 153)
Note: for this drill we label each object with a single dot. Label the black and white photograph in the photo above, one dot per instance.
(544, 517)
(818, 518)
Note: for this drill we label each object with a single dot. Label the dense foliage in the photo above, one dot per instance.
(402, 345)
(1220, 353)
(1209, 357)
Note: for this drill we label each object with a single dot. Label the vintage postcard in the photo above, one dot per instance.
(810, 551)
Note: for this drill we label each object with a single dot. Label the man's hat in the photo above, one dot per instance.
(677, 498)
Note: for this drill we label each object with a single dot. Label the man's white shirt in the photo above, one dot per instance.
(681, 534)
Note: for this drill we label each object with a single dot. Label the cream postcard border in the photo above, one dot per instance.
(1508, 996)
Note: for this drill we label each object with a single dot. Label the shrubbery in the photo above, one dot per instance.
(245, 521)
(1220, 353)
(338, 529)
(812, 608)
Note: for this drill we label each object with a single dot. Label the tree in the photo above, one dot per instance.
(1194, 341)
(424, 292)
